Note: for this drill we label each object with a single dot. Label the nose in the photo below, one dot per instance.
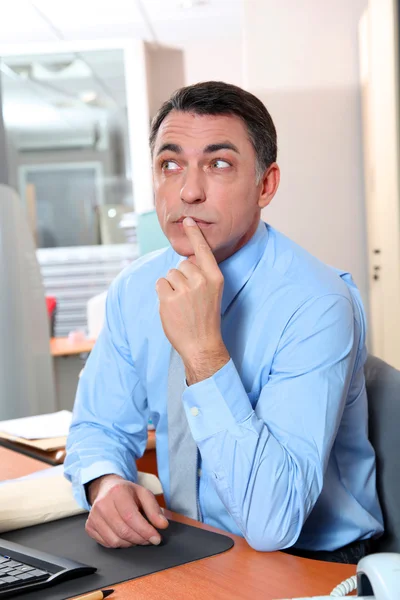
(192, 191)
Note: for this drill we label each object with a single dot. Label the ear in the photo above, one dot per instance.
(269, 185)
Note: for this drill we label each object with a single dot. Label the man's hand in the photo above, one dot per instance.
(115, 520)
(190, 308)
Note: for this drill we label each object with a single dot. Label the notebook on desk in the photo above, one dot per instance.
(51, 457)
(30, 436)
(44, 445)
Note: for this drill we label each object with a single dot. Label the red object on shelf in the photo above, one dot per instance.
(51, 304)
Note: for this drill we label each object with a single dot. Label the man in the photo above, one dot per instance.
(246, 351)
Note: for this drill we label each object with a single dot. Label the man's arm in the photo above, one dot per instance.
(108, 432)
(268, 464)
(109, 425)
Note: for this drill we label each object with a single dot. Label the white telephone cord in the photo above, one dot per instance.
(345, 587)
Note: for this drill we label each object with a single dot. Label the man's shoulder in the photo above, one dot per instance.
(146, 269)
(303, 272)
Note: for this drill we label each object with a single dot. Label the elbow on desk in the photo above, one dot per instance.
(273, 538)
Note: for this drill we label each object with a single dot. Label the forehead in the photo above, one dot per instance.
(197, 131)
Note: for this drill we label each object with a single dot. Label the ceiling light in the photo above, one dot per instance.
(192, 3)
(112, 213)
(88, 97)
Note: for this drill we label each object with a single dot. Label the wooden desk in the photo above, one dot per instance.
(13, 464)
(60, 346)
(241, 573)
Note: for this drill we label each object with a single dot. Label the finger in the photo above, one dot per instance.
(176, 279)
(152, 509)
(97, 538)
(163, 288)
(100, 530)
(204, 257)
(129, 513)
(93, 533)
(111, 517)
(190, 270)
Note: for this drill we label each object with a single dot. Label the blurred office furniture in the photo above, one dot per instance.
(66, 196)
(51, 304)
(4, 177)
(69, 358)
(64, 347)
(96, 308)
(79, 103)
(74, 275)
(110, 216)
(383, 391)
(128, 225)
(379, 73)
(150, 236)
(26, 373)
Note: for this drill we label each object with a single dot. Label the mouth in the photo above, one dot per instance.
(200, 222)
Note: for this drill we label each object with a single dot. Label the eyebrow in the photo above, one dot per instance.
(222, 146)
(171, 147)
(207, 150)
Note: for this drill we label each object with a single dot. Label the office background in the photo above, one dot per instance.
(301, 59)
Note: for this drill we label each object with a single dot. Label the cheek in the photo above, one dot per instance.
(236, 209)
(167, 194)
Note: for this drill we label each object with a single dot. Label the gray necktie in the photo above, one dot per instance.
(183, 452)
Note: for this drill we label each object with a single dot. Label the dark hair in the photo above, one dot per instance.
(219, 98)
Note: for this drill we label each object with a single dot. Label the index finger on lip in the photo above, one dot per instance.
(204, 257)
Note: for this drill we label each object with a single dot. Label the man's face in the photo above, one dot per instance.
(204, 166)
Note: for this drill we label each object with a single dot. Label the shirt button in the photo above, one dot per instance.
(199, 472)
(195, 411)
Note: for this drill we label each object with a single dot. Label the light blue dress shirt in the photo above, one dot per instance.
(281, 428)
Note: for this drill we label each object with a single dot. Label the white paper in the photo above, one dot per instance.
(147, 480)
(39, 427)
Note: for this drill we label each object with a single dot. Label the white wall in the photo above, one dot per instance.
(301, 59)
(214, 59)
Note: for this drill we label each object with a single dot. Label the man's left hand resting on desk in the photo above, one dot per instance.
(115, 520)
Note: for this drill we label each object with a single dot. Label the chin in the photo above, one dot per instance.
(181, 247)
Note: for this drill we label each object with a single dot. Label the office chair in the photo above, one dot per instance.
(383, 392)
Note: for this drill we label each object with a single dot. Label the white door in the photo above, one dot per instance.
(379, 62)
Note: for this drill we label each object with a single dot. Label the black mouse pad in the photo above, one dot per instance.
(67, 537)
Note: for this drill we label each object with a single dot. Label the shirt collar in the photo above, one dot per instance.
(238, 268)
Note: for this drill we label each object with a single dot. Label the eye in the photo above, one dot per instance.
(218, 163)
(169, 165)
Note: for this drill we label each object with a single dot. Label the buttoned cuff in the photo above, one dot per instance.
(87, 474)
(217, 403)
